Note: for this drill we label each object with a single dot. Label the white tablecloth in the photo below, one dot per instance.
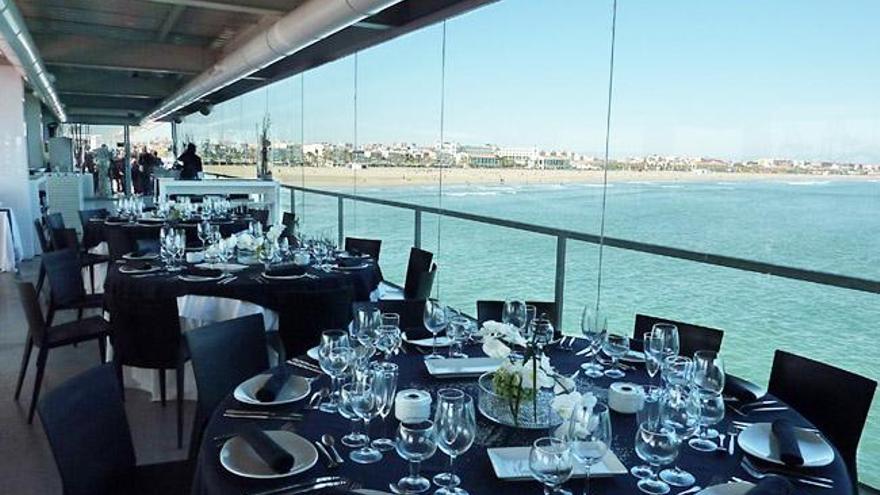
(10, 241)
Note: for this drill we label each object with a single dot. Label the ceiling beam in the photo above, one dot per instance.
(169, 22)
(103, 119)
(43, 26)
(95, 82)
(224, 6)
(95, 52)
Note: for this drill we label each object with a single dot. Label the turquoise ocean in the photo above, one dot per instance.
(825, 225)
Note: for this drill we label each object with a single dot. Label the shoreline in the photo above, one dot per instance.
(411, 176)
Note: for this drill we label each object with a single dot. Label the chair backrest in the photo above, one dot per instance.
(306, 313)
(692, 338)
(30, 304)
(419, 262)
(65, 276)
(492, 310)
(288, 219)
(834, 400)
(145, 330)
(412, 315)
(260, 215)
(366, 246)
(86, 215)
(424, 282)
(85, 423)
(45, 245)
(223, 355)
(55, 221)
(119, 242)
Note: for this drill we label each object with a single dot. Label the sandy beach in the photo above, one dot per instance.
(400, 176)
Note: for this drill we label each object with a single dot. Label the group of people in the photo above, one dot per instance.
(108, 169)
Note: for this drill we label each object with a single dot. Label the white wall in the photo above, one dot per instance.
(14, 190)
(34, 129)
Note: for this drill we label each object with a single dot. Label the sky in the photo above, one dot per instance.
(732, 79)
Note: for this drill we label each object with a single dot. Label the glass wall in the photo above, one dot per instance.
(744, 130)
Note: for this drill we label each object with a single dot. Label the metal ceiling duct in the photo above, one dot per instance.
(303, 26)
(18, 46)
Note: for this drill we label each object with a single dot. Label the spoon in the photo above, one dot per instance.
(328, 441)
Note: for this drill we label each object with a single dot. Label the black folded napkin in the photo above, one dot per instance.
(280, 460)
(285, 270)
(269, 391)
(202, 272)
(786, 439)
(140, 253)
(772, 485)
(349, 262)
(116, 219)
(140, 265)
(743, 390)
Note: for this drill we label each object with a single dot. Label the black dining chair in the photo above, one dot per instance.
(86, 215)
(240, 345)
(418, 265)
(91, 236)
(66, 288)
(69, 240)
(836, 401)
(119, 242)
(692, 338)
(371, 247)
(492, 310)
(88, 432)
(45, 338)
(146, 334)
(45, 247)
(260, 215)
(55, 221)
(412, 315)
(305, 313)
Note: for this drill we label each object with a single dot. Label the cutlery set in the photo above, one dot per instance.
(261, 415)
(314, 485)
(803, 479)
(305, 365)
(768, 405)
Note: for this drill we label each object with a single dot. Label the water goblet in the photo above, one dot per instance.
(365, 403)
(353, 439)
(455, 428)
(435, 320)
(416, 442)
(653, 350)
(457, 331)
(650, 414)
(708, 371)
(388, 334)
(668, 335)
(204, 232)
(711, 413)
(616, 346)
(589, 435)
(385, 376)
(658, 446)
(594, 327)
(550, 462)
(334, 356)
(677, 371)
(680, 412)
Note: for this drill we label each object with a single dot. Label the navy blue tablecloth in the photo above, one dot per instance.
(474, 467)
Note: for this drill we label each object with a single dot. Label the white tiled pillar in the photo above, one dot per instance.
(14, 189)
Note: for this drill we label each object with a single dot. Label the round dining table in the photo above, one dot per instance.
(474, 467)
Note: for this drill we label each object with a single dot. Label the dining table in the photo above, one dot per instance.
(474, 467)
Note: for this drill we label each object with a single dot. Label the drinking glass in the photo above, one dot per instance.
(458, 334)
(589, 435)
(267, 253)
(204, 232)
(652, 347)
(680, 412)
(542, 330)
(677, 371)
(709, 371)
(594, 327)
(668, 333)
(711, 413)
(551, 464)
(435, 320)
(514, 313)
(616, 346)
(531, 315)
(415, 443)
(385, 377)
(354, 438)
(455, 428)
(334, 356)
(388, 334)
(650, 414)
(658, 446)
(365, 403)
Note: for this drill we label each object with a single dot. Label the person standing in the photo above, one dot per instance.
(191, 163)
(102, 160)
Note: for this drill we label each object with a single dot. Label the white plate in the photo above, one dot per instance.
(229, 267)
(633, 357)
(740, 488)
(196, 278)
(464, 367)
(148, 256)
(284, 277)
(356, 267)
(442, 341)
(296, 388)
(132, 271)
(512, 463)
(759, 441)
(313, 353)
(239, 458)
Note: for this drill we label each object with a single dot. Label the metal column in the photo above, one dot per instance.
(127, 166)
(559, 292)
(417, 241)
(174, 140)
(341, 218)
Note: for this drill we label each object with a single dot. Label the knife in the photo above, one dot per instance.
(297, 486)
(317, 487)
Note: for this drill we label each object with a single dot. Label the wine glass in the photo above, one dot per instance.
(616, 346)
(708, 371)
(649, 413)
(365, 397)
(334, 356)
(589, 434)
(528, 327)
(550, 461)
(653, 350)
(455, 428)
(594, 327)
(658, 446)
(267, 253)
(542, 330)
(680, 412)
(388, 334)
(514, 313)
(668, 334)
(203, 230)
(677, 371)
(435, 320)
(457, 331)
(385, 376)
(711, 413)
(415, 443)
(354, 438)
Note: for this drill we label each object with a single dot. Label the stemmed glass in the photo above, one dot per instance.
(667, 333)
(415, 443)
(204, 232)
(708, 371)
(334, 356)
(457, 333)
(590, 436)
(365, 395)
(649, 413)
(542, 330)
(653, 350)
(551, 464)
(455, 428)
(658, 446)
(385, 377)
(435, 320)
(267, 253)
(594, 327)
(711, 413)
(615, 346)
(388, 334)
(680, 412)
(677, 371)
(354, 438)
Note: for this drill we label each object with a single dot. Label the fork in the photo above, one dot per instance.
(755, 473)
